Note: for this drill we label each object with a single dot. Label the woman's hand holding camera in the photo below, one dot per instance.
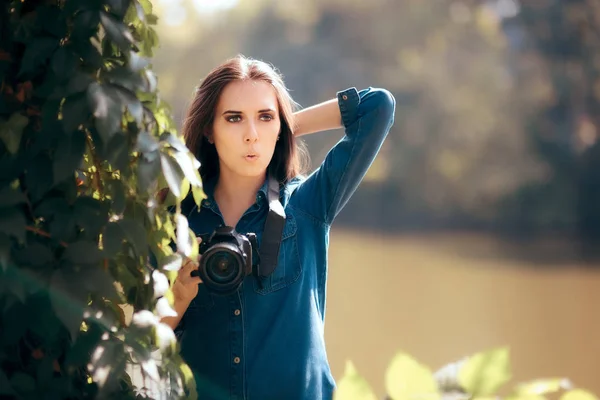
(185, 287)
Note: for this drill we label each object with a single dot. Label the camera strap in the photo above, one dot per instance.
(272, 232)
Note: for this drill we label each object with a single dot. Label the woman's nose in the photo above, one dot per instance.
(251, 134)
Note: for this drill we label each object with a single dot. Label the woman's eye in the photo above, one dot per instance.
(267, 117)
(234, 118)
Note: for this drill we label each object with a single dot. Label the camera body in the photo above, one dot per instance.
(226, 259)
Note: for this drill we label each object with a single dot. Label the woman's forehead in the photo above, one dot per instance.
(248, 95)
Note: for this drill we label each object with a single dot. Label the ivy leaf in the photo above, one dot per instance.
(118, 7)
(127, 78)
(83, 252)
(172, 173)
(68, 155)
(116, 31)
(352, 386)
(78, 83)
(36, 255)
(147, 171)
(146, 143)
(407, 379)
(85, 24)
(107, 108)
(108, 364)
(135, 235)
(172, 262)
(112, 239)
(136, 63)
(11, 197)
(12, 222)
(68, 300)
(22, 382)
(187, 166)
(184, 242)
(485, 372)
(12, 130)
(542, 386)
(64, 62)
(578, 394)
(36, 54)
(5, 386)
(117, 152)
(75, 111)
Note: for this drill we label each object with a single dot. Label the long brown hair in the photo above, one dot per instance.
(289, 158)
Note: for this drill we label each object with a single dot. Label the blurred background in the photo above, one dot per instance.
(478, 225)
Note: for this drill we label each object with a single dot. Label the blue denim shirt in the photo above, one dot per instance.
(267, 341)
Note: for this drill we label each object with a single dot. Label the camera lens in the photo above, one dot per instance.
(222, 266)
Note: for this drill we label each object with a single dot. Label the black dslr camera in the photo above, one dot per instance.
(226, 259)
(227, 256)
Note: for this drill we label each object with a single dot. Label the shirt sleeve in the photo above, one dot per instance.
(367, 117)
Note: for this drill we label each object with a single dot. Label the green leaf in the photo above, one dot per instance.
(407, 379)
(578, 394)
(108, 364)
(543, 386)
(36, 55)
(147, 171)
(85, 24)
(12, 222)
(5, 386)
(91, 215)
(4, 251)
(11, 197)
(86, 50)
(172, 262)
(75, 112)
(116, 31)
(146, 143)
(172, 173)
(174, 141)
(189, 166)
(136, 63)
(12, 130)
(352, 386)
(22, 382)
(68, 300)
(112, 239)
(135, 234)
(127, 78)
(35, 255)
(485, 372)
(199, 195)
(68, 156)
(64, 61)
(78, 83)
(118, 7)
(83, 252)
(117, 193)
(117, 152)
(39, 178)
(107, 108)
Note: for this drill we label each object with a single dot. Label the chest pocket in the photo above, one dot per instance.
(288, 266)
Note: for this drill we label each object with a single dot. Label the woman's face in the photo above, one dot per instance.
(246, 127)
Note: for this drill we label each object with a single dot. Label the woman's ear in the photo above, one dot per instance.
(208, 137)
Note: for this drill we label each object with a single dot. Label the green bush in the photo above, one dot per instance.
(86, 146)
(478, 377)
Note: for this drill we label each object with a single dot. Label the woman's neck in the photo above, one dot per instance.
(235, 194)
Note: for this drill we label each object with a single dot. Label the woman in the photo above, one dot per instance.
(266, 341)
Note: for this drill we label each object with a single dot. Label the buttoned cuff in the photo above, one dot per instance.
(348, 101)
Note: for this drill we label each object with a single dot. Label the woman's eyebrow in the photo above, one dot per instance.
(239, 112)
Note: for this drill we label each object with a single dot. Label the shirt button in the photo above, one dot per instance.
(344, 97)
(237, 312)
(236, 360)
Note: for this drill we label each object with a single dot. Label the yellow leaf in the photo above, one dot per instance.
(352, 386)
(543, 386)
(485, 372)
(578, 394)
(407, 379)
